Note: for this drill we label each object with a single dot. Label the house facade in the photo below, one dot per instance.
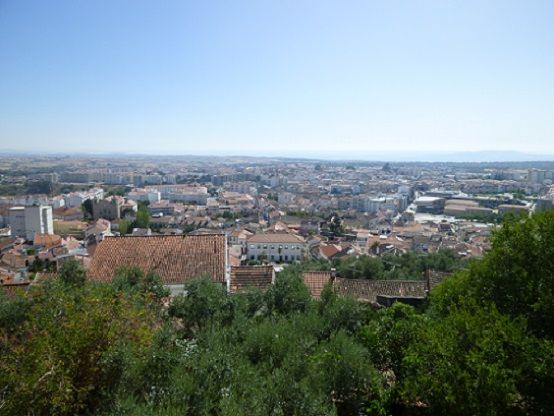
(276, 247)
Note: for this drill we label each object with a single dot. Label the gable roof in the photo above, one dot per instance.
(315, 281)
(329, 250)
(244, 277)
(276, 238)
(174, 258)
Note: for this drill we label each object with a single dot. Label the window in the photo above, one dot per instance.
(286, 247)
(272, 257)
(273, 247)
(265, 247)
(286, 258)
(259, 247)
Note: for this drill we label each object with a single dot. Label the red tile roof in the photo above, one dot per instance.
(367, 290)
(174, 258)
(316, 281)
(243, 277)
(47, 240)
(276, 238)
(329, 250)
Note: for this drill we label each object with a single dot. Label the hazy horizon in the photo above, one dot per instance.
(383, 156)
(290, 78)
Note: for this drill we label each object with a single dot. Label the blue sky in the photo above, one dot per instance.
(276, 77)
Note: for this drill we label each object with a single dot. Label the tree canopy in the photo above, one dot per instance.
(483, 345)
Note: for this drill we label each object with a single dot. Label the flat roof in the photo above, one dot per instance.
(428, 199)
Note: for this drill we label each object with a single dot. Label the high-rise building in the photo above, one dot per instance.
(28, 221)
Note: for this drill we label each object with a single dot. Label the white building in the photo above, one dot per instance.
(276, 247)
(75, 199)
(183, 193)
(152, 196)
(16, 220)
(28, 221)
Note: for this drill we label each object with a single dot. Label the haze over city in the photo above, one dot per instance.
(365, 80)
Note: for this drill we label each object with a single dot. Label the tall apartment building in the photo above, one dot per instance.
(28, 221)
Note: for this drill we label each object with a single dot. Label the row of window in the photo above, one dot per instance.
(259, 247)
(274, 258)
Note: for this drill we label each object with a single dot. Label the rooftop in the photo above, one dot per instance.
(174, 258)
(244, 277)
(315, 281)
(368, 290)
(276, 238)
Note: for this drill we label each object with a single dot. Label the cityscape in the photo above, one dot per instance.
(292, 208)
(271, 211)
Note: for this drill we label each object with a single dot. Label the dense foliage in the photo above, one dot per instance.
(405, 266)
(483, 346)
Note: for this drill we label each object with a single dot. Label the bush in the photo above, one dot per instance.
(205, 303)
(288, 294)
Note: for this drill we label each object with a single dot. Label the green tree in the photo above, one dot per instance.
(335, 225)
(124, 226)
(69, 355)
(205, 303)
(133, 279)
(516, 275)
(86, 207)
(143, 218)
(13, 312)
(72, 273)
(343, 370)
(477, 362)
(341, 313)
(288, 294)
(362, 267)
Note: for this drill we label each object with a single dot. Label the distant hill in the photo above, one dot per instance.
(346, 155)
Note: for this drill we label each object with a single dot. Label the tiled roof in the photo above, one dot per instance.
(367, 290)
(47, 240)
(276, 238)
(435, 277)
(316, 281)
(174, 258)
(99, 225)
(241, 233)
(329, 250)
(243, 277)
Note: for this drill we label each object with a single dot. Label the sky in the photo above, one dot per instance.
(284, 78)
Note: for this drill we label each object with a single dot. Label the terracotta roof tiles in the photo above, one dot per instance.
(243, 277)
(174, 258)
(315, 281)
(276, 238)
(368, 290)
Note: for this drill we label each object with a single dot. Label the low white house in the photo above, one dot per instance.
(276, 247)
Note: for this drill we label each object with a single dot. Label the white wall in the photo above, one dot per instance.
(285, 252)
